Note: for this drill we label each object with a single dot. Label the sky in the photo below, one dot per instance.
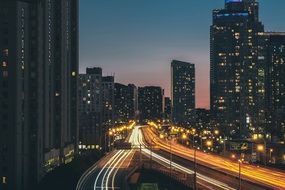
(136, 39)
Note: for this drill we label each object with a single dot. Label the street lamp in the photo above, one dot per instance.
(216, 132)
(195, 169)
(195, 162)
(239, 173)
(270, 154)
(260, 149)
(184, 137)
(170, 148)
(209, 143)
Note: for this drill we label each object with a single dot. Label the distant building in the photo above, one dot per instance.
(150, 102)
(167, 108)
(90, 107)
(203, 118)
(125, 102)
(236, 90)
(38, 93)
(108, 101)
(96, 107)
(183, 93)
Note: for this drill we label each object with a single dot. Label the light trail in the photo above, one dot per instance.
(111, 161)
(108, 171)
(139, 141)
(259, 175)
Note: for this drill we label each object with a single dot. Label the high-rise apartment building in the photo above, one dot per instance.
(183, 93)
(90, 106)
(125, 102)
(150, 102)
(96, 107)
(38, 76)
(237, 78)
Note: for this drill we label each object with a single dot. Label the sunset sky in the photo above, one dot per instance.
(137, 39)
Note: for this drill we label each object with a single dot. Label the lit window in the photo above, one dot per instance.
(4, 180)
(4, 64)
(6, 52)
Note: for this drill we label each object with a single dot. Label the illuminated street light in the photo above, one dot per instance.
(239, 172)
(216, 132)
(184, 136)
(260, 148)
(209, 143)
(161, 136)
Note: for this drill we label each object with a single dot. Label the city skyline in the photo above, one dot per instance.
(138, 37)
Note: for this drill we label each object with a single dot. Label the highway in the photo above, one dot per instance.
(109, 172)
(271, 178)
(202, 180)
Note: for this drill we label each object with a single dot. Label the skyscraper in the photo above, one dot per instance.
(237, 84)
(39, 65)
(125, 102)
(150, 102)
(183, 93)
(272, 55)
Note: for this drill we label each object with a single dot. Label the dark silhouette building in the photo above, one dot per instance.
(125, 102)
(183, 93)
(150, 102)
(203, 119)
(237, 85)
(38, 77)
(167, 108)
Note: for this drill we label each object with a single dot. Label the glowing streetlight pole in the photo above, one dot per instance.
(239, 173)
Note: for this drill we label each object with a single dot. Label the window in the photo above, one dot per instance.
(5, 52)
(4, 180)
(4, 64)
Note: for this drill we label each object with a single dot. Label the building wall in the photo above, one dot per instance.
(272, 52)
(90, 106)
(38, 77)
(150, 103)
(125, 102)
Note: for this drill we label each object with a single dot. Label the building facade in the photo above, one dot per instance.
(272, 54)
(167, 109)
(90, 106)
(237, 79)
(150, 102)
(125, 102)
(183, 93)
(96, 108)
(39, 67)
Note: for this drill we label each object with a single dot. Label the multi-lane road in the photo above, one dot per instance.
(266, 177)
(109, 172)
(213, 172)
